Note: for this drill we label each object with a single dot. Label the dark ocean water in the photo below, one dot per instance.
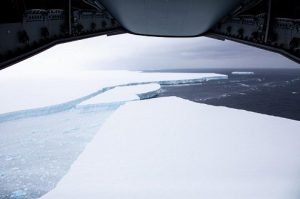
(269, 91)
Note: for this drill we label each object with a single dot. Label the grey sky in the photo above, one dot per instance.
(131, 52)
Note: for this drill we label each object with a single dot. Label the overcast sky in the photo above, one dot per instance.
(131, 52)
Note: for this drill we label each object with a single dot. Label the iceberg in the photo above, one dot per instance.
(172, 148)
(45, 94)
(242, 73)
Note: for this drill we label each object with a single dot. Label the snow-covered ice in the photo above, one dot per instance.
(124, 93)
(174, 148)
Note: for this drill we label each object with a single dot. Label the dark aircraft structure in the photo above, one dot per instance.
(28, 27)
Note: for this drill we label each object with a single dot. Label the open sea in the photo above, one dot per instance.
(269, 91)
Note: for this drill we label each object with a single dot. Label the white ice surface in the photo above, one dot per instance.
(172, 148)
(122, 94)
(34, 90)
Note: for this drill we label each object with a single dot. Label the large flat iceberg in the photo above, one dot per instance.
(172, 148)
(39, 94)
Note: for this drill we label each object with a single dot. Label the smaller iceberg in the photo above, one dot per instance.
(121, 94)
(242, 73)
